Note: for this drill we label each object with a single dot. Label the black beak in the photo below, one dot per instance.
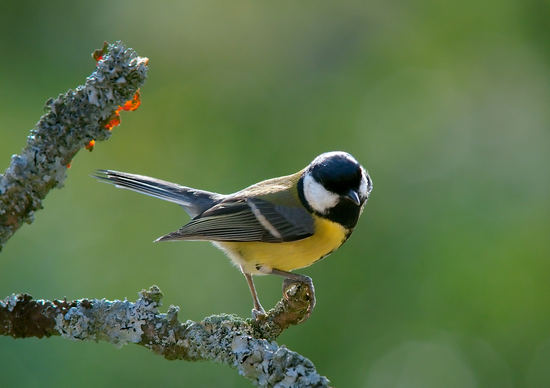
(353, 197)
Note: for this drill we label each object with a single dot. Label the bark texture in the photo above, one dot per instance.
(222, 338)
(71, 121)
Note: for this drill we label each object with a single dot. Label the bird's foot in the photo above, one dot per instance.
(310, 293)
(258, 313)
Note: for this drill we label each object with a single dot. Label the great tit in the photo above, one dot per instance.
(274, 226)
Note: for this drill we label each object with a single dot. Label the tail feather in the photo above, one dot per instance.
(192, 200)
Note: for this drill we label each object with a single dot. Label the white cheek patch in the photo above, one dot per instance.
(366, 185)
(319, 198)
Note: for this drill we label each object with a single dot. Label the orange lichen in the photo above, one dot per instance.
(68, 165)
(114, 120)
(129, 105)
(90, 145)
(98, 54)
(132, 104)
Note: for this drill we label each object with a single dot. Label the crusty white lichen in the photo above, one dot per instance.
(72, 120)
(118, 322)
(227, 339)
(10, 302)
(222, 338)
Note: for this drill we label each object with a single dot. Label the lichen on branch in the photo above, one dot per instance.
(222, 338)
(78, 119)
(71, 122)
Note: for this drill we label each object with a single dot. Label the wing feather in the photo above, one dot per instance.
(235, 220)
(192, 200)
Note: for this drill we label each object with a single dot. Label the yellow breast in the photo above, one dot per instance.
(287, 256)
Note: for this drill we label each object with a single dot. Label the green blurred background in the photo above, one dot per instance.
(445, 282)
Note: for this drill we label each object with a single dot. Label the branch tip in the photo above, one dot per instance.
(70, 122)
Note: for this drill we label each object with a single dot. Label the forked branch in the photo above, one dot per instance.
(223, 338)
(75, 120)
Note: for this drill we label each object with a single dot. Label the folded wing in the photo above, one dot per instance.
(247, 219)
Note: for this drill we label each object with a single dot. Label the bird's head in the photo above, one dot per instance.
(336, 186)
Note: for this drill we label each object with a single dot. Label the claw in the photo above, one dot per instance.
(258, 314)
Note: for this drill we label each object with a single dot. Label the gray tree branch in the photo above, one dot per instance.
(222, 338)
(72, 120)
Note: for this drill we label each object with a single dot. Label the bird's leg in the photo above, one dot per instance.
(258, 310)
(290, 278)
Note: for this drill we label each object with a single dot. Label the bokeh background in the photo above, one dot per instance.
(445, 282)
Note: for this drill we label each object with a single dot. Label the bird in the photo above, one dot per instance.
(274, 226)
